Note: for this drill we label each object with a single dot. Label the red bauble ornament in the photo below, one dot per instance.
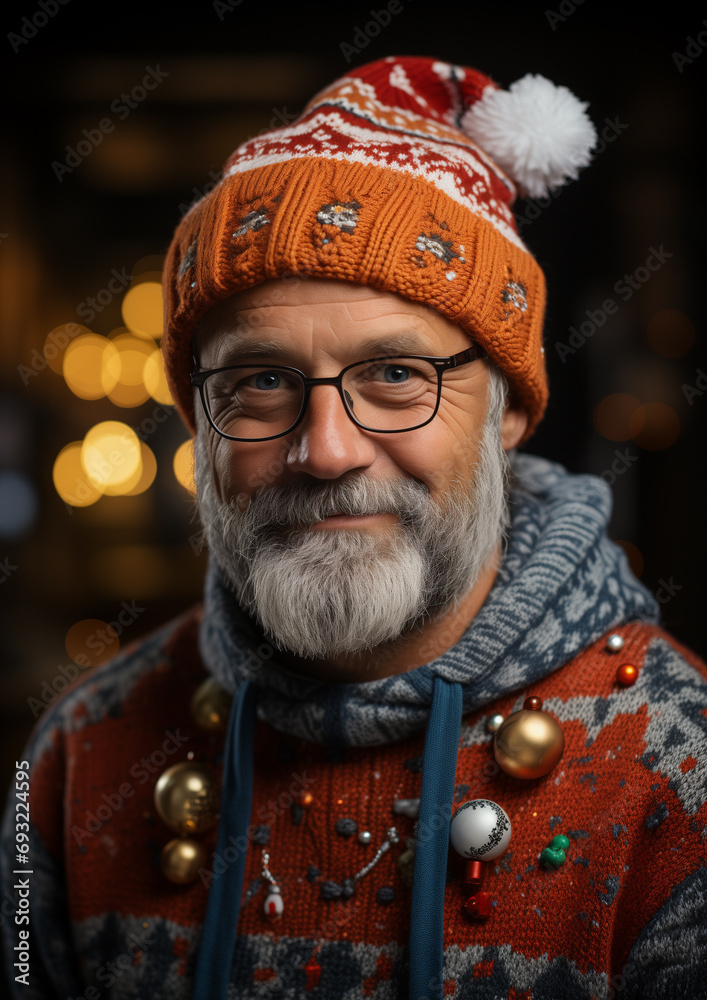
(627, 674)
(478, 906)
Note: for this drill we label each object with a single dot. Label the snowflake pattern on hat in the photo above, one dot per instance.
(345, 216)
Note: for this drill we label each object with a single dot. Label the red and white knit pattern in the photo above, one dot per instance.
(383, 121)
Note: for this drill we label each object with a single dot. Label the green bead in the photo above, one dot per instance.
(561, 842)
(553, 857)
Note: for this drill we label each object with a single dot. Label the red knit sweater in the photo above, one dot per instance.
(108, 923)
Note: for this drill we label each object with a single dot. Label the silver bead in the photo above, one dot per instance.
(493, 722)
(364, 837)
(615, 643)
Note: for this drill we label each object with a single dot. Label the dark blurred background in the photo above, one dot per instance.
(85, 245)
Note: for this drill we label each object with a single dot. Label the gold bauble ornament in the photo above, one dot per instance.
(181, 860)
(529, 743)
(187, 798)
(210, 706)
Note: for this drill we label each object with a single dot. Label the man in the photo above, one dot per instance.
(353, 333)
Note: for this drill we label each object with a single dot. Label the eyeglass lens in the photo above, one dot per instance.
(255, 402)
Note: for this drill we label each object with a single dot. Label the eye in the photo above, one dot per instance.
(396, 373)
(267, 380)
(392, 374)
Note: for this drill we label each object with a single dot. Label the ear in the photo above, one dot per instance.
(513, 426)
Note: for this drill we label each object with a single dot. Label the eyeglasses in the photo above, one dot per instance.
(385, 395)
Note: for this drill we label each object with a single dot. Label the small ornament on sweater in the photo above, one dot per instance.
(479, 831)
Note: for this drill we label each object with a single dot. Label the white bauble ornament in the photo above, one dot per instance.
(480, 830)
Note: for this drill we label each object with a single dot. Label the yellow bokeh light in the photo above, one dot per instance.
(127, 367)
(147, 473)
(131, 355)
(126, 487)
(70, 479)
(111, 457)
(128, 395)
(156, 380)
(142, 309)
(89, 362)
(183, 465)
(57, 342)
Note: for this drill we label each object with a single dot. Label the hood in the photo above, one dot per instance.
(562, 584)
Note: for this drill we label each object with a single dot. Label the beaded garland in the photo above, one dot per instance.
(186, 800)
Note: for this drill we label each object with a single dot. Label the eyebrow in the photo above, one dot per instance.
(381, 346)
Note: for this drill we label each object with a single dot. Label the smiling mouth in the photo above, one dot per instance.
(350, 517)
(341, 514)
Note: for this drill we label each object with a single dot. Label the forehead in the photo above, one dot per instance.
(301, 315)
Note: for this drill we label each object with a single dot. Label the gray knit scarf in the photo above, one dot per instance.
(562, 584)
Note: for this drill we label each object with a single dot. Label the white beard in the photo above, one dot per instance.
(327, 592)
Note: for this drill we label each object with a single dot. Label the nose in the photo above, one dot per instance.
(327, 443)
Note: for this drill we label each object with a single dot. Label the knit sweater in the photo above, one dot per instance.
(624, 915)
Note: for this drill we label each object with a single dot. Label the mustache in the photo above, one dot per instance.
(291, 505)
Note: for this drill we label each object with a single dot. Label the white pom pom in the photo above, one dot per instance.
(537, 133)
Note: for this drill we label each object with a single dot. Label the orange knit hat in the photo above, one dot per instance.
(400, 175)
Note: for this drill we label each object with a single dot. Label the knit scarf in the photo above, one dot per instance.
(562, 584)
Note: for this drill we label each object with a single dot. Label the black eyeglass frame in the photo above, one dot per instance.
(474, 353)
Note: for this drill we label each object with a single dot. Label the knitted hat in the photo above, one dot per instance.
(400, 175)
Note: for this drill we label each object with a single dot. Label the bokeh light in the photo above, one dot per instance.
(18, 504)
(89, 366)
(110, 461)
(655, 426)
(148, 471)
(127, 367)
(142, 309)
(614, 416)
(111, 457)
(671, 333)
(70, 479)
(91, 641)
(156, 380)
(183, 465)
(58, 341)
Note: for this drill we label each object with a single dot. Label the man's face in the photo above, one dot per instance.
(433, 498)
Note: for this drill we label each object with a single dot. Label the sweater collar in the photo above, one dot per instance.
(562, 584)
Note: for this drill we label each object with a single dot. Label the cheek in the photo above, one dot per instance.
(224, 470)
(253, 467)
(437, 454)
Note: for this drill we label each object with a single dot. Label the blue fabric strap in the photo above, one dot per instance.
(439, 767)
(213, 966)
